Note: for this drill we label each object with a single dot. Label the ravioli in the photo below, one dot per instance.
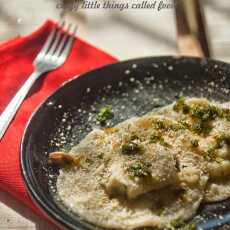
(150, 171)
(217, 157)
(161, 172)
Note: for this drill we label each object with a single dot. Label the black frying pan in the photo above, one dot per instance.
(133, 88)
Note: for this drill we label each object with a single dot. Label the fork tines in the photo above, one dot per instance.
(59, 42)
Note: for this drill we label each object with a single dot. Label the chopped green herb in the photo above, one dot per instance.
(205, 113)
(180, 224)
(131, 148)
(214, 111)
(139, 169)
(155, 138)
(134, 137)
(100, 155)
(177, 127)
(184, 124)
(179, 104)
(210, 155)
(177, 223)
(105, 114)
(167, 126)
(186, 109)
(195, 143)
(199, 113)
(160, 125)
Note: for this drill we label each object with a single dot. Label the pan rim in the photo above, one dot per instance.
(28, 180)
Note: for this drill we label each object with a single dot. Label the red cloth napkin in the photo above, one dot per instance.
(16, 57)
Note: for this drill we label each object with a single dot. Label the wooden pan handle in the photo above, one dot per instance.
(191, 29)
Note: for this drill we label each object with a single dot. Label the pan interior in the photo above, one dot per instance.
(132, 88)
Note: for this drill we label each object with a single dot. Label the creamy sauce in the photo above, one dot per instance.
(153, 170)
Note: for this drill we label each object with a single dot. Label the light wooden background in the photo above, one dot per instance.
(125, 34)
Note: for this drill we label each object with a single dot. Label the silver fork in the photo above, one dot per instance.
(52, 55)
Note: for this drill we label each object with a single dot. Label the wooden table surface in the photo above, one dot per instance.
(151, 33)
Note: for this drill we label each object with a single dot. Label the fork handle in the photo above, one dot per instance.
(12, 108)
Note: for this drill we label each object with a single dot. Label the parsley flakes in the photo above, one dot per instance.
(105, 114)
